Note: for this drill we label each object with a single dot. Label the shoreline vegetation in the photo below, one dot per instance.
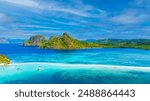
(67, 42)
(4, 60)
(124, 43)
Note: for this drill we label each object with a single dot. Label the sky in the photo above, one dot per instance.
(82, 19)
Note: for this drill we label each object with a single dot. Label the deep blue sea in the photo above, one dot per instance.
(82, 66)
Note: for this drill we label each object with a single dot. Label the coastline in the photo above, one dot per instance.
(103, 47)
(78, 48)
(91, 48)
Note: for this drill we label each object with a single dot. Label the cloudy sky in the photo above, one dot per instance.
(83, 19)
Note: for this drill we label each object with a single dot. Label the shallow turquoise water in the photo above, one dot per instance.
(85, 66)
(53, 73)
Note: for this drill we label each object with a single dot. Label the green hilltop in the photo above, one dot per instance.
(59, 42)
(36, 40)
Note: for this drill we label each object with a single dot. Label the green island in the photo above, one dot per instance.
(59, 42)
(67, 42)
(124, 43)
(4, 60)
(36, 40)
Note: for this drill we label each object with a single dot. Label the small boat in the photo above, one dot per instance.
(40, 68)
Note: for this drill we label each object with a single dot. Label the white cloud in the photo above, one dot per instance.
(136, 13)
(81, 10)
(4, 18)
(141, 3)
(130, 16)
(2, 15)
(37, 26)
(129, 19)
(77, 8)
(65, 23)
(27, 3)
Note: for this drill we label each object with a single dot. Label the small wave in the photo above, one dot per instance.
(85, 65)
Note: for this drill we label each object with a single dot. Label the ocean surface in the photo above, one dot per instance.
(82, 66)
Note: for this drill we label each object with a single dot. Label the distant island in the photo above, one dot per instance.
(67, 42)
(59, 42)
(10, 41)
(123, 43)
(4, 60)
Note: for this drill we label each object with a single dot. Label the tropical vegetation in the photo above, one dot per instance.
(4, 60)
(59, 42)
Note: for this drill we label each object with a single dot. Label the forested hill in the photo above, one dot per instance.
(59, 42)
